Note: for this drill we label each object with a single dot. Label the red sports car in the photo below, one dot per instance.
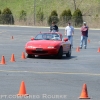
(48, 44)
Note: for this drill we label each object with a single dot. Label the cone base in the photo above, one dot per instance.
(77, 51)
(2, 64)
(12, 61)
(22, 94)
(84, 98)
(23, 58)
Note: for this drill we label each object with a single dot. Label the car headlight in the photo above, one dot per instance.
(51, 47)
(31, 47)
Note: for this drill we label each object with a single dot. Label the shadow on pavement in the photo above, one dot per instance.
(52, 57)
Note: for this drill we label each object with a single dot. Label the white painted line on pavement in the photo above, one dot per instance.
(62, 73)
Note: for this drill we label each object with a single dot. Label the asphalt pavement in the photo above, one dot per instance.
(47, 78)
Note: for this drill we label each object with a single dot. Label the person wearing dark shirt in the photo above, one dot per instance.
(84, 35)
(54, 27)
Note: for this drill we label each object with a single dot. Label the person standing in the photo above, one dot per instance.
(54, 27)
(84, 35)
(69, 31)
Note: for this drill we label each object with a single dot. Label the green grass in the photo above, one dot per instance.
(88, 7)
(48, 5)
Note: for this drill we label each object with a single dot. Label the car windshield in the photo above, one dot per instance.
(48, 36)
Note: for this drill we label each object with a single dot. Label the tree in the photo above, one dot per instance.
(77, 17)
(74, 4)
(78, 4)
(0, 17)
(0, 11)
(40, 15)
(23, 15)
(53, 17)
(7, 16)
(65, 16)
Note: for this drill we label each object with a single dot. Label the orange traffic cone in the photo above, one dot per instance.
(22, 90)
(84, 93)
(3, 61)
(23, 55)
(12, 58)
(98, 49)
(78, 49)
(88, 40)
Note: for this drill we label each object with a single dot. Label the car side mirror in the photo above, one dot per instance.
(32, 39)
(65, 39)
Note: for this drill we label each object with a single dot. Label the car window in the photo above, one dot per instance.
(38, 37)
(56, 36)
(48, 36)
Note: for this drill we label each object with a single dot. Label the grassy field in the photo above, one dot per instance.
(90, 9)
(86, 6)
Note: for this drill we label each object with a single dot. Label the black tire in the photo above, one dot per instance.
(69, 53)
(30, 56)
(60, 53)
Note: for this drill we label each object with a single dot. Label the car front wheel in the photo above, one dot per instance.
(60, 53)
(30, 56)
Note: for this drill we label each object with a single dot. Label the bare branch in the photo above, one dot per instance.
(79, 3)
(74, 4)
(87, 11)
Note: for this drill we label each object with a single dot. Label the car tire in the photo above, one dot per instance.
(60, 53)
(30, 56)
(69, 53)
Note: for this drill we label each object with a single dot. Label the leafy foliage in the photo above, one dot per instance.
(0, 12)
(23, 15)
(54, 13)
(65, 16)
(53, 17)
(77, 17)
(0, 17)
(7, 16)
(40, 15)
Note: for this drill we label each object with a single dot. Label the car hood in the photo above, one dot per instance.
(43, 43)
